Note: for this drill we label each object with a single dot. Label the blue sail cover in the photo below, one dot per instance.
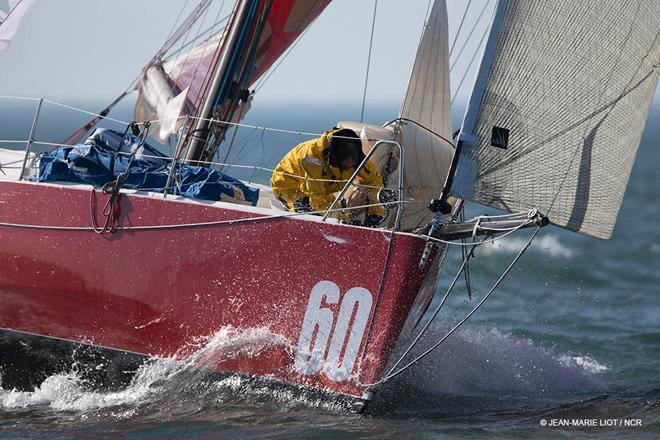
(91, 163)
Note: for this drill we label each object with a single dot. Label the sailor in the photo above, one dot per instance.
(312, 174)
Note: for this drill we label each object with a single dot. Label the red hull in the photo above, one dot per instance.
(157, 291)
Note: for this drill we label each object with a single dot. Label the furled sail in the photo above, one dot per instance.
(182, 80)
(558, 109)
(10, 20)
(428, 151)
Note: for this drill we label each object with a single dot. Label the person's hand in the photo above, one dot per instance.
(302, 205)
(373, 220)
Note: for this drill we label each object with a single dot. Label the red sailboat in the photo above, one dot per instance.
(154, 272)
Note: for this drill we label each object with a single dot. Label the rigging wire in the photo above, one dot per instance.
(176, 21)
(462, 321)
(460, 26)
(217, 21)
(467, 70)
(211, 31)
(261, 82)
(412, 345)
(187, 34)
(184, 28)
(474, 26)
(366, 76)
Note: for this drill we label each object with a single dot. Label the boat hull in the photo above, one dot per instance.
(307, 302)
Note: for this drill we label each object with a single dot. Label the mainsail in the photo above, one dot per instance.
(9, 21)
(173, 88)
(428, 151)
(558, 109)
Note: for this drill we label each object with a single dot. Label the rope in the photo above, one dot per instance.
(366, 76)
(248, 219)
(465, 253)
(155, 121)
(57, 104)
(253, 167)
(211, 31)
(18, 98)
(176, 21)
(193, 225)
(462, 321)
(112, 209)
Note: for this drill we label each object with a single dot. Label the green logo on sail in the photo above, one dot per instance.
(499, 137)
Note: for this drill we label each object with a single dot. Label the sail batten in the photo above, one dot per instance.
(558, 109)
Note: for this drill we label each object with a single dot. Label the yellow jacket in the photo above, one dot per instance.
(294, 176)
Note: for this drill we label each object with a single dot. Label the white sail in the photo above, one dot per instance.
(165, 90)
(558, 109)
(160, 99)
(427, 155)
(10, 20)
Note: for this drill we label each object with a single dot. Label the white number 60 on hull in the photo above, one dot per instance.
(311, 354)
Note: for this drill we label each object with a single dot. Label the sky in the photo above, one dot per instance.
(90, 50)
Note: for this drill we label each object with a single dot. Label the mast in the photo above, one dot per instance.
(222, 77)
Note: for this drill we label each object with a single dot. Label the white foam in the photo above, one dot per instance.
(67, 392)
(547, 244)
(589, 364)
(472, 362)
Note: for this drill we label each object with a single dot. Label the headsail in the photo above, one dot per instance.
(558, 109)
(10, 20)
(427, 155)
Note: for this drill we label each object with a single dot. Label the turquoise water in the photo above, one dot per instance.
(573, 333)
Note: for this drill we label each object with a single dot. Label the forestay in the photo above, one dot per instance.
(427, 155)
(558, 109)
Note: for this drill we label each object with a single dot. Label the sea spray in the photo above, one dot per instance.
(548, 245)
(473, 362)
(155, 379)
(477, 368)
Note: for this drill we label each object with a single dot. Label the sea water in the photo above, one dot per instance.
(568, 346)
